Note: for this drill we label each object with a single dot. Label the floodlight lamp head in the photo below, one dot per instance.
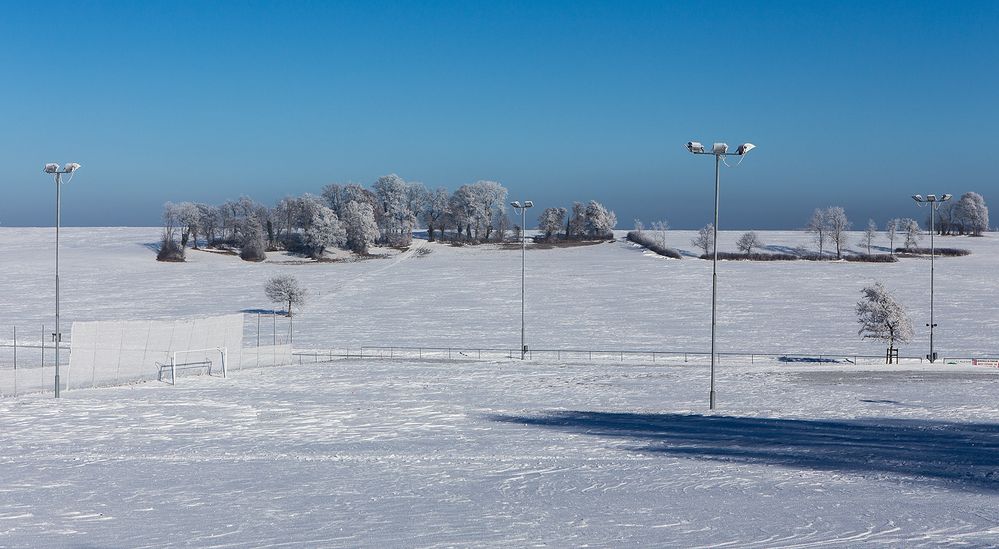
(695, 147)
(528, 204)
(719, 148)
(931, 198)
(515, 204)
(917, 197)
(71, 167)
(51, 167)
(946, 197)
(744, 148)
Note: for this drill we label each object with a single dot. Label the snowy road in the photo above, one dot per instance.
(501, 454)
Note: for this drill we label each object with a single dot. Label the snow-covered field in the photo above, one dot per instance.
(509, 454)
(385, 453)
(606, 296)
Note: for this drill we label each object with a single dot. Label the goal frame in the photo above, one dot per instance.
(223, 353)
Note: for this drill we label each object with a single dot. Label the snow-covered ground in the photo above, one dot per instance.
(507, 453)
(605, 296)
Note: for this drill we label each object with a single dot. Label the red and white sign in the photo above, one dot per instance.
(993, 362)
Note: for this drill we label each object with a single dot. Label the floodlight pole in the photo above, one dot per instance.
(523, 281)
(58, 335)
(523, 271)
(934, 202)
(714, 282)
(718, 150)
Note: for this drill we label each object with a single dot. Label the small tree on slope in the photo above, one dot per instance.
(748, 241)
(285, 289)
(882, 317)
(705, 238)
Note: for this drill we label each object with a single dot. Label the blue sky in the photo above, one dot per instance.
(856, 104)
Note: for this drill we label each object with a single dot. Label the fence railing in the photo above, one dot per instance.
(589, 355)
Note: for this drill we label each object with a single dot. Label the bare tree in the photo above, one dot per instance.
(892, 229)
(705, 238)
(870, 234)
(285, 289)
(912, 234)
(817, 226)
(836, 226)
(659, 229)
(748, 241)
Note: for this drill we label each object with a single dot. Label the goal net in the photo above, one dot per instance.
(117, 352)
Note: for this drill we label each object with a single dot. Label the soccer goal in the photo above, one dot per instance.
(196, 359)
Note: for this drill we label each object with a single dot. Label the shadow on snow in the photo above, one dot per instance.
(963, 455)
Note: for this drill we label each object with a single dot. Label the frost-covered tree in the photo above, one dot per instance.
(817, 226)
(361, 228)
(210, 222)
(551, 220)
(639, 226)
(973, 213)
(659, 230)
(435, 208)
(882, 317)
(892, 228)
(575, 225)
(188, 220)
(705, 238)
(911, 230)
(462, 209)
(870, 233)
(748, 241)
(599, 221)
(252, 247)
(325, 231)
(285, 289)
(836, 226)
(396, 220)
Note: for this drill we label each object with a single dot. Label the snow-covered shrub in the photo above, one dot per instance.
(651, 243)
(169, 250)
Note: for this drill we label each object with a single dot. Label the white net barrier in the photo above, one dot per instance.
(266, 355)
(118, 352)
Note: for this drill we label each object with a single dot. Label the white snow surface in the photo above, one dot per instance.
(605, 296)
(505, 453)
(509, 454)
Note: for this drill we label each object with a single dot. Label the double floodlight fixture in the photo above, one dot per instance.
(53, 168)
(719, 149)
(526, 204)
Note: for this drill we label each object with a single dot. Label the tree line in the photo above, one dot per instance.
(355, 218)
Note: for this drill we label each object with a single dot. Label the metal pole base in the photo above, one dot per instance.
(711, 400)
(57, 386)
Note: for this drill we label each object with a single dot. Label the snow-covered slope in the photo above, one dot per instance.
(605, 296)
